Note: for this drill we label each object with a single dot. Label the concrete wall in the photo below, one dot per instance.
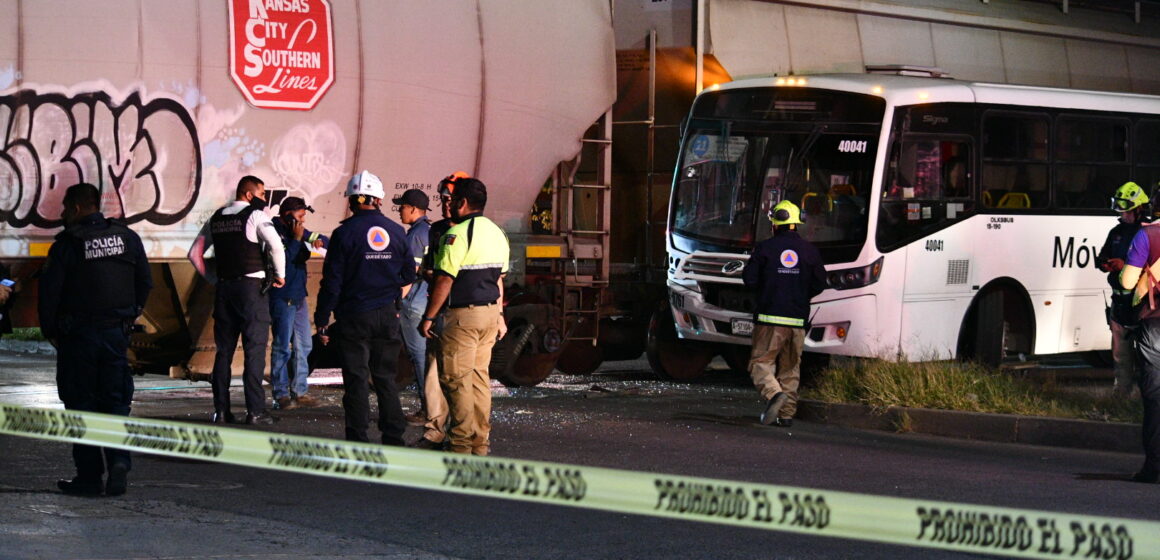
(1015, 42)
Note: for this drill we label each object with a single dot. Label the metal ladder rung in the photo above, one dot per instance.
(596, 140)
(587, 232)
(584, 186)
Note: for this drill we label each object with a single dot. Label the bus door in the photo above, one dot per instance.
(926, 198)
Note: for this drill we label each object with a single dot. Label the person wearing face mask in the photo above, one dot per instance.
(93, 287)
(469, 271)
(241, 234)
(289, 310)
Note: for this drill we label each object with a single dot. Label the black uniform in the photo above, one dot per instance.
(367, 264)
(240, 308)
(94, 285)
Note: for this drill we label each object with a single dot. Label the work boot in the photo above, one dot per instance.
(284, 403)
(118, 480)
(783, 422)
(306, 401)
(770, 415)
(260, 419)
(80, 487)
(220, 417)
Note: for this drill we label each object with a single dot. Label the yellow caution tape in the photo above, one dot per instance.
(941, 525)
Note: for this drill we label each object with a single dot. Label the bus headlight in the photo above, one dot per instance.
(850, 278)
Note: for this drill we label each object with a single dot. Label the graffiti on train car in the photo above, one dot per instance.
(143, 154)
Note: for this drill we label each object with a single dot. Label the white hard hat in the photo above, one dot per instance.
(365, 183)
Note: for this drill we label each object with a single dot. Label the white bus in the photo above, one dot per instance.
(956, 219)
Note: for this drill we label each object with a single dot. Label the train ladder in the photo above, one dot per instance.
(583, 210)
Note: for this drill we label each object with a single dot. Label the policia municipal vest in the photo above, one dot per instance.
(476, 256)
(236, 255)
(102, 285)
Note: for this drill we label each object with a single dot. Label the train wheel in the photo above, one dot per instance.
(580, 357)
(513, 361)
(671, 357)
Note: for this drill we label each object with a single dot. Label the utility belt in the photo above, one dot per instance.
(72, 322)
(472, 305)
(240, 279)
(1121, 310)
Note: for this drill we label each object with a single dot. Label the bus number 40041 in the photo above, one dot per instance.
(847, 146)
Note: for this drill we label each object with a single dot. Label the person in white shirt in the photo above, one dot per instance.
(244, 240)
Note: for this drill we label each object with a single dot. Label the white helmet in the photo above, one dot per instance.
(365, 183)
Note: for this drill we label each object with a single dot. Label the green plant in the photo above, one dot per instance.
(950, 385)
(25, 333)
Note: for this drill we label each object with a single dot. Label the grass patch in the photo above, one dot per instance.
(29, 333)
(962, 386)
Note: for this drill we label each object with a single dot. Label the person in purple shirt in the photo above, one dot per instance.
(1144, 252)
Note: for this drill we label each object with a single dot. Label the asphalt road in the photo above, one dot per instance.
(616, 418)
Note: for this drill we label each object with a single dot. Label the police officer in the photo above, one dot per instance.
(413, 206)
(1142, 274)
(469, 274)
(1132, 204)
(786, 271)
(241, 234)
(435, 401)
(93, 286)
(368, 268)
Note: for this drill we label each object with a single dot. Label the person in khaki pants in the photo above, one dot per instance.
(469, 270)
(786, 271)
(434, 401)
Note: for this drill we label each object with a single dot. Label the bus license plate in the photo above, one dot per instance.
(742, 327)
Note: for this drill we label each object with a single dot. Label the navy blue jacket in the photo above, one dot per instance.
(787, 272)
(297, 253)
(367, 264)
(99, 284)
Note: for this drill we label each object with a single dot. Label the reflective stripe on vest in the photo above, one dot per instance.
(778, 320)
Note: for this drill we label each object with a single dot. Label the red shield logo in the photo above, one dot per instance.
(282, 51)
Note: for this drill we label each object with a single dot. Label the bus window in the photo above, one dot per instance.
(1015, 148)
(928, 189)
(1091, 158)
(713, 197)
(1147, 152)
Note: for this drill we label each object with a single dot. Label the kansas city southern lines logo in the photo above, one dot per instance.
(281, 51)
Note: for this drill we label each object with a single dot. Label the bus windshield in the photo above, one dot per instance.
(808, 146)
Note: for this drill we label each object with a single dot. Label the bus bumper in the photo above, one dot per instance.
(842, 326)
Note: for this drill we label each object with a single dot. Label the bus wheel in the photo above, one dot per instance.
(669, 356)
(996, 327)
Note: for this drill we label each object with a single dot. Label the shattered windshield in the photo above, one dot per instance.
(733, 170)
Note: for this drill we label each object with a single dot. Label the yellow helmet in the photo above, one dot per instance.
(1129, 197)
(785, 213)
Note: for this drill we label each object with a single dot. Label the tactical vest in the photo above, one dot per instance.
(105, 279)
(236, 255)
